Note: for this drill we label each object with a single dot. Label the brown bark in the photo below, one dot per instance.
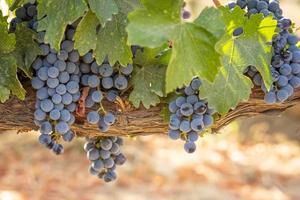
(18, 115)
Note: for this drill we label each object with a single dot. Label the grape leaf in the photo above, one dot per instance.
(148, 78)
(250, 48)
(9, 82)
(126, 6)
(209, 19)
(55, 15)
(193, 52)
(104, 9)
(112, 42)
(26, 49)
(86, 34)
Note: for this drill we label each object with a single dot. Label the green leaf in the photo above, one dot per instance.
(112, 42)
(8, 41)
(209, 19)
(86, 33)
(104, 9)
(249, 49)
(148, 78)
(26, 48)
(55, 15)
(126, 6)
(193, 52)
(9, 82)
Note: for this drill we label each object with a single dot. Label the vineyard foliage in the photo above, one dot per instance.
(174, 50)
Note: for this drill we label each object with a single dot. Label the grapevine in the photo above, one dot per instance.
(90, 68)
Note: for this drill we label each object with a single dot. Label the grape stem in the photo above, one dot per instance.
(217, 3)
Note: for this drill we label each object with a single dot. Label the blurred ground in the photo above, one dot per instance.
(252, 159)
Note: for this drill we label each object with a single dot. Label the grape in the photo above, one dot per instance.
(74, 56)
(110, 176)
(112, 95)
(43, 73)
(67, 45)
(39, 115)
(97, 165)
(37, 64)
(93, 117)
(56, 98)
(45, 49)
(285, 69)
(84, 80)
(60, 65)
(61, 89)
(21, 13)
(295, 82)
(195, 84)
(296, 56)
(105, 70)
(64, 77)
(65, 115)
(190, 147)
(76, 97)
(44, 139)
(37, 83)
(238, 31)
(186, 109)
(186, 14)
(93, 154)
(257, 79)
(282, 95)
(46, 128)
(107, 82)
(69, 136)
(89, 102)
(127, 70)
(208, 120)
(72, 87)
(174, 134)
(70, 34)
(71, 67)
(197, 124)
(58, 149)
(51, 58)
(72, 107)
(273, 6)
(282, 81)
(106, 144)
(121, 82)
(200, 107)
(185, 126)
(115, 149)
(174, 124)
(31, 11)
(93, 81)
(270, 97)
(120, 159)
(192, 136)
(62, 127)
(231, 5)
(47, 105)
(85, 68)
(62, 55)
(173, 107)
(95, 67)
(59, 106)
(97, 96)
(180, 101)
(103, 127)
(67, 99)
(42, 93)
(55, 114)
(295, 68)
(188, 90)
(93, 171)
(192, 99)
(52, 83)
(109, 119)
(88, 58)
(75, 78)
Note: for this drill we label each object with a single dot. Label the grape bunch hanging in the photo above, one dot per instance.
(285, 64)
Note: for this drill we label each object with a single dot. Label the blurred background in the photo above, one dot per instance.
(256, 158)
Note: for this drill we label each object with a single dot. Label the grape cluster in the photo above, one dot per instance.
(57, 77)
(104, 154)
(285, 64)
(190, 116)
(26, 13)
(104, 81)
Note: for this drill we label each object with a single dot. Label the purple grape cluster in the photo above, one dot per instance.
(285, 64)
(104, 154)
(57, 85)
(190, 116)
(104, 81)
(26, 13)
